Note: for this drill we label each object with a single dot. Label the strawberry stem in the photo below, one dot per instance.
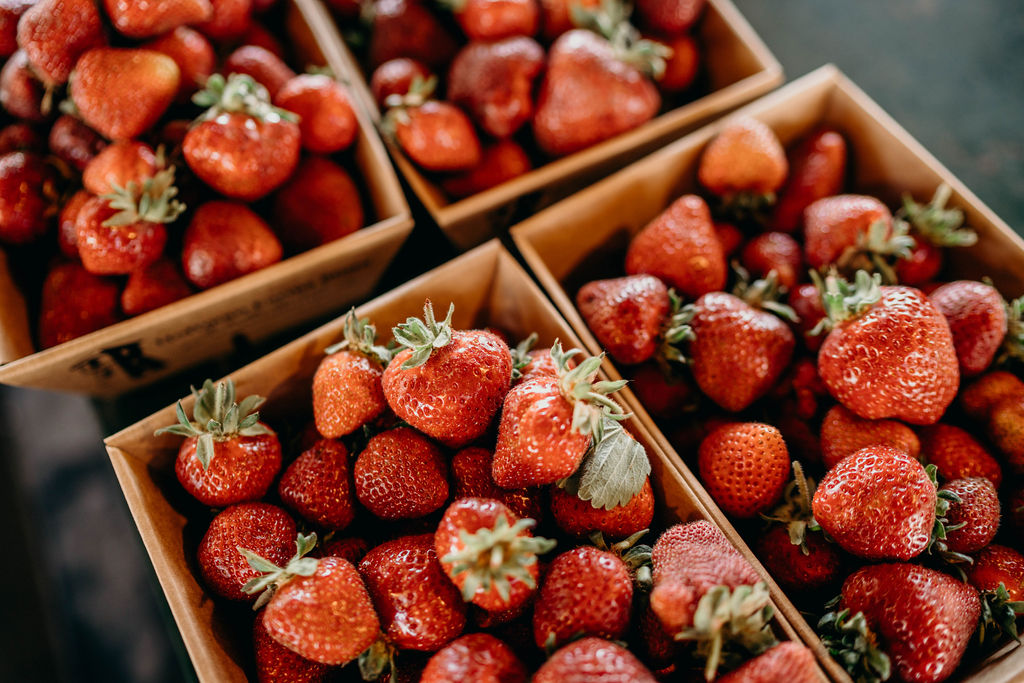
(423, 336)
(589, 399)
(238, 94)
(521, 355)
(273, 576)
(935, 223)
(1013, 342)
(795, 509)
(853, 645)
(843, 301)
(152, 202)
(360, 336)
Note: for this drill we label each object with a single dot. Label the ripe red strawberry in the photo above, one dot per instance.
(327, 120)
(500, 162)
(813, 565)
(262, 65)
(589, 94)
(805, 300)
(352, 549)
(144, 19)
(843, 434)
(556, 16)
(395, 77)
(120, 163)
(226, 240)
(681, 248)
(682, 66)
(21, 95)
(19, 137)
(983, 394)
(958, 455)
(802, 390)
(193, 54)
(487, 20)
(790, 662)
(74, 142)
(26, 188)
(921, 266)
(67, 230)
(317, 486)
(407, 28)
(977, 514)
(471, 472)
(275, 662)
(150, 287)
(75, 302)
(535, 363)
(265, 529)
(744, 466)
(347, 391)
(54, 33)
(745, 157)
(996, 565)
(319, 204)
(489, 553)
(10, 13)
(626, 315)
(578, 517)
(435, 135)
(593, 659)
(817, 170)
(890, 353)
(242, 147)
(230, 21)
(670, 16)
(475, 657)
(228, 456)
(1006, 431)
(665, 396)
(121, 93)
(976, 315)
(419, 608)
(493, 82)
(401, 475)
(935, 228)
(774, 251)
(447, 383)
(731, 237)
(834, 225)
(878, 503)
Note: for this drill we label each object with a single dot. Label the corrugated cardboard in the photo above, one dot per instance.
(323, 280)
(740, 67)
(585, 236)
(487, 287)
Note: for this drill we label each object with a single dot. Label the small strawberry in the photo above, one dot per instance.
(150, 287)
(972, 520)
(226, 240)
(19, 137)
(475, 657)
(774, 251)
(500, 162)
(626, 315)
(242, 146)
(578, 517)
(54, 33)
(805, 300)
(488, 20)
(275, 662)
(813, 565)
(593, 659)
(681, 248)
(407, 28)
(262, 65)
(447, 383)
(26, 187)
(265, 529)
(75, 302)
(436, 135)
(935, 228)
(319, 204)
(10, 13)
(790, 662)
(838, 229)
(74, 142)
(976, 315)
(21, 95)
(744, 466)
(996, 565)
(395, 77)
(193, 54)
(144, 18)
(67, 230)
(843, 434)
(327, 120)
(317, 486)
(230, 20)
(1006, 431)
(957, 455)
(471, 472)
(120, 163)
(817, 170)
(347, 391)
(670, 17)
(745, 158)
(662, 394)
(681, 66)
(228, 455)
(401, 475)
(983, 394)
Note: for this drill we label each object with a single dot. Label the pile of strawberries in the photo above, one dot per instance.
(475, 98)
(852, 357)
(429, 524)
(135, 136)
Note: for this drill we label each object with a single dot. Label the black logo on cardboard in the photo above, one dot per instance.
(128, 357)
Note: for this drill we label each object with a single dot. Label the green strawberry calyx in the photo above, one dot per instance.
(935, 223)
(152, 201)
(589, 399)
(843, 301)
(273, 577)
(612, 471)
(937, 545)
(239, 94)
(636, 556)
(378, 661)
(521, 358)
(878, 249)
(764, 294)
(795, 509)
(998, 617)
(852, 644)
(217, 417)
(423, 336)
(421, 91)
(360, 336)
(611, 21)
(1013, 342)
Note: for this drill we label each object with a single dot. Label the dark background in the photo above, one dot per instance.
(80, 601)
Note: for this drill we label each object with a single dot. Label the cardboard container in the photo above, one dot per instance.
(143, 349)
(739, 66)
(585, 237)
(487, 287)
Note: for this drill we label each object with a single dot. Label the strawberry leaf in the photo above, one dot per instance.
(614, 471)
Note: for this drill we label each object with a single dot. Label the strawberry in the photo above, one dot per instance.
(813, 565)
(347, 391)
(226, 240)
(230, 20)
(74, 142)
(10, 13)
(21, 95)
(447, 383)
(681, 248)
(395, 77)
(500, 162)
(977, 319)
(670, 16)
(744, 158)
(744, 466)
(319, 204)
(890, 353)
(530, 364)
(493, 82)
(659, 650)
(556, 16)
(835, 226)
(152, 286)
(957, 455)
(489, 553)
(26, 188)
(935, 228)
(275, 662)
(843, 434)
(144, 18)
(327, 120)
(262, 65)
(471, 472)
(972, 520)
(805, 300)
(352, 549)
(54, 33)
(589, 94)
(257, 34)
(193, 54)
(120, 163)
(317, 486)
(921, 266)
(488, 20)
(802, 388)
(419, 607)
(265, 529)
(790, 662)
(996, 565)
(730, 236)
(593, 659)
(242, 147)
(67, 230)
(774, 251)
(1006, 431)
(228, 455)
(662, 395)
(878, 503)
(401, 475)
(681, 66)
(983, 394)
(19, 137)
(75, 302)
(475, 657)
(407, 28)
(817, 170)
(626, 315)
(121, 93)
(578, 517)
(435, 135)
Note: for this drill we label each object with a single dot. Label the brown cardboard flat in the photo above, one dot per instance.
(143, 349)
(740, 67)
(585, 237)
(487, 287)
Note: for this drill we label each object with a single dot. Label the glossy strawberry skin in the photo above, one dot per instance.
(983, 394)
(158, 284)
(897, 360)
(241, 469)
(54, 33)
(670, 17)
(10, 13)
(774, 251)
(116, 250)
(681, 248)
(923, 618)
(475, 657)
(789, 661)
(226, 240)
(193, 54)
(327, 120)
(276, 663)
(794, 570)
(21, 95)
(74, 303)
(439, 137)
(320, 203)
(626, 315)
(499, 162)
(395, 77)
(230, 20)
(401, 475)
(878, 504)
(998, 564)
(593, 659)
(744, 466)
(556, 16)
(407, 28)
(977, 319)
(471, 472)
(843, 434)
(922, 266)
(264, 66)
(497, 19)
(19, 137)
(119, 163)
(265, 529)
(67, 229)
(138, 19)
(347, 393)
(578, 517)
(74, 142)
(419, 608)
(318, 486)
(745, 156)
(958, 455)
(661, 396)
(1006, 431)
(23, 204)
(454, 396)
(978, 510)
(817, 170)
(352, 549)
(833, 224)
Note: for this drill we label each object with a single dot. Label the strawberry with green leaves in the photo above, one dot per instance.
(578, 517)
(998, 573)
(436, 135)
(744, 165)
(935, 229)
(972, 518)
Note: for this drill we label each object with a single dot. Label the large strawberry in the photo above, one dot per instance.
(843, 434)
(957, 455)
(401, 475)
(75, 302)
(320, 203)
(228, 456)
(817, 170)
(890, 353)
(436, 135)
(318, 487)
(847, 229)
(144, 18)
(626, 314)
(593, 659)
(471, 472)
(225, 240)
(54, 33)
(475, 657)
(263, 528)
(579, 517)
(327, 120)
(744, 466)
(447, 383)
(745, 159)
(789, 662)
(977, 320)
